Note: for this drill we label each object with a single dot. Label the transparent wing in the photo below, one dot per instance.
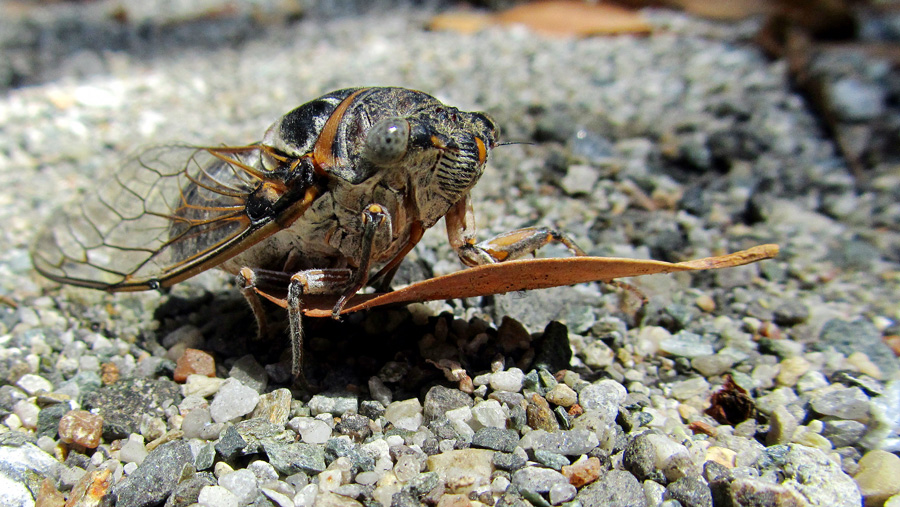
(166, 214)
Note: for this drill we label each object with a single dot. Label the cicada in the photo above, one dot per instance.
(331, 200)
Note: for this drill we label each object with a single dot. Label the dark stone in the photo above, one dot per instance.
(230, 444)
(155, 479)
(441, 399)
(371, 409)
(354, 425)
(187, 492)
(123, 404)
(690, 491)
(496, 439)
(508, 461)
(617, 488)
(339, 448)
(639, 457)
(48, 420)
(553, 350)
(255, 432)
(422, 484)
(790, 313)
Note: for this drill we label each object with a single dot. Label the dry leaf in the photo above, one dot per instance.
(575, 18)
(464, 22)
(526, 274)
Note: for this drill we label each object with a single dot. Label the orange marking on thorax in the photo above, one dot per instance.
(323, 154)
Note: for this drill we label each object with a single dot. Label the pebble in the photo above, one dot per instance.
(690, 388)
(877, 476)
(233, 400)
(689, 492)
(81, 427)
(617, 487)
(604, 397)
(562, 395)
(405, 414)
(570, 443)
(791, 369)
(133, 450)
(242, 484)
(537, 480)
(217, 496)
(561, 493)
(584, 471)
(782, 426)
(510, 380)
(843, 403)
(488, 413)
(333, 404)
(34, 384)
(156, 477)
(686, 344)
(498, 439)
(711, 365)
(194, 362)
(842, 433)
(463, 470)
(274, 407)
(439, 400)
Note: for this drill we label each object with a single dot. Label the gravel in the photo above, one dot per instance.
(681, 144)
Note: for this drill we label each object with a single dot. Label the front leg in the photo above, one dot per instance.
(503, 247)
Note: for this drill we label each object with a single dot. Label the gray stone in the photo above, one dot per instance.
(603, 397)
(858, 336)
(686, 344)
(617, 488)
(818, 478)
(855, 100)
(550, 459)
(690, 492)
(848, 403)
(439, 400)
(290, 459)
(507, 461)
(570, 443)
(230, 444)
(335, 404)
(156, 477)
(123, 404)
(537, 480)
(496, 438)
(639, 457)
(843, 433)
(344, 448)
(48, 420)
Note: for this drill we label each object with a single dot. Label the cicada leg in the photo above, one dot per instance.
(503, 247)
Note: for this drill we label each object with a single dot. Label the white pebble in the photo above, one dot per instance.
(217, 496)
(233, 400)
(329, 480)
(560, 493)
(201, 385)
(406, 415)
(133, 450)
(32, 384)
(510, 380)
(241, 483)
(306, 497)
(27, 412)
(488, 413)
(278, 497)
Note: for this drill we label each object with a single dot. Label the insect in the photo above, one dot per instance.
(332, 199)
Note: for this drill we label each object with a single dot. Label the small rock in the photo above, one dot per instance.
(854, 100)
(274, 407)
(508, 461)
(218, 496)
(488, 413)
(510, 380)
(497, 439)
(843, 403)
(81, 427)
(34, 384)
(133, 450)
(690, 492)
(156, 477)
(782, 426)
(603, 397)
(405, 415)
(690, 388)
(462, 470)
(233, 400)
(560, 493)
(877, 476)
(617, 488)
(334, 404)
(201, 385)
(296, 457)
(582, 472)
(537, 480)
(686, 344)
(712, 365)
(539, 415)
(194, 362)
(550, 459)
(858, 336)
(562, 395)
(843, 433)
(573, 442)
(242, 484)
(125, 404)
(791, 369)
(439, 400)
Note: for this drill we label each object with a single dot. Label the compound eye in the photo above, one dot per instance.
(387, 140)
